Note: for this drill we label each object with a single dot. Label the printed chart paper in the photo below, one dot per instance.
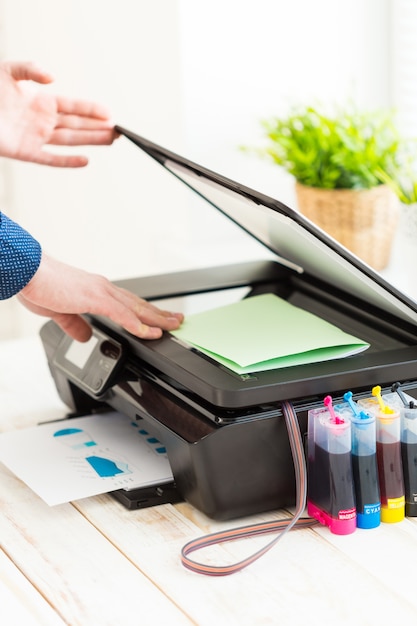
(80, 457)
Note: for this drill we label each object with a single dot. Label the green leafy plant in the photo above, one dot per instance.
(404, 183)
(347, 150)
(407, 191)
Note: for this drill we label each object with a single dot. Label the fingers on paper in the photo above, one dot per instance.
(139, 317)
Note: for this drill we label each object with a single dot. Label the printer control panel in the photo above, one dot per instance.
(91, 364)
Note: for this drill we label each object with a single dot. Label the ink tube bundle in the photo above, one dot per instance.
(330, 490)
(388, 446)
(408, 416)
(364, 462)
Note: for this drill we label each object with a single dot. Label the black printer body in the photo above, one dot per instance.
(225, 434)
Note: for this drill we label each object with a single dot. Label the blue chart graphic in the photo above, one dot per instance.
(106, 467)
(152, 442)
(80, 440)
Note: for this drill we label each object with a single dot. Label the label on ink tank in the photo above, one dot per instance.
(347, 514)
(395, 503)
(371, 509)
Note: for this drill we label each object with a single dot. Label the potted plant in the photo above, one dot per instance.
(345, 167)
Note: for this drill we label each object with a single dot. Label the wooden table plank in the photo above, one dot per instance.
(384, 552)
(303, 580)
(20, 602)
(85, 578)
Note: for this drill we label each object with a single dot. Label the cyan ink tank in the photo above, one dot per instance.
(408, 416)
(330, 490)
(388, 449)
(364, 462)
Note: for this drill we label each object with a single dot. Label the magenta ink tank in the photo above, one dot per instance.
(330, 487)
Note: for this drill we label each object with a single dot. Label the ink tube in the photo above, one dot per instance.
(364, 462)
(408, 416)
(388, 448)
(330, 490)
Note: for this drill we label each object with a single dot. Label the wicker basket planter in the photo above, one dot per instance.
(364, 221)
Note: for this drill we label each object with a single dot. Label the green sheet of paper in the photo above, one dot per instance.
(266, 332)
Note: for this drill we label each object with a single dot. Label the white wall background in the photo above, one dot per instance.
(403, 63)
(196, 77)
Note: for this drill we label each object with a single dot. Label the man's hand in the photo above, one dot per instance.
(63, 293)
(29, 119)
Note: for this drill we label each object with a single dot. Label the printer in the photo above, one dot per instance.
(224, 432)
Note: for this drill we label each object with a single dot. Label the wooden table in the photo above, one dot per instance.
(93, 562)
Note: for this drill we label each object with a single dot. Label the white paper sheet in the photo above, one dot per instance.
(76, 458)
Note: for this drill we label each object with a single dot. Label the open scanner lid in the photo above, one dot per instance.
(299, 244)
(292, 237)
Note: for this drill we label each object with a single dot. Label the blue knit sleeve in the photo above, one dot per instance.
(20, 256)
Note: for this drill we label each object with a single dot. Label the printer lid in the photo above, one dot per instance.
(294, 239)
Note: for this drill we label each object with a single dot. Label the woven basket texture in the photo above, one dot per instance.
(364, 220)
